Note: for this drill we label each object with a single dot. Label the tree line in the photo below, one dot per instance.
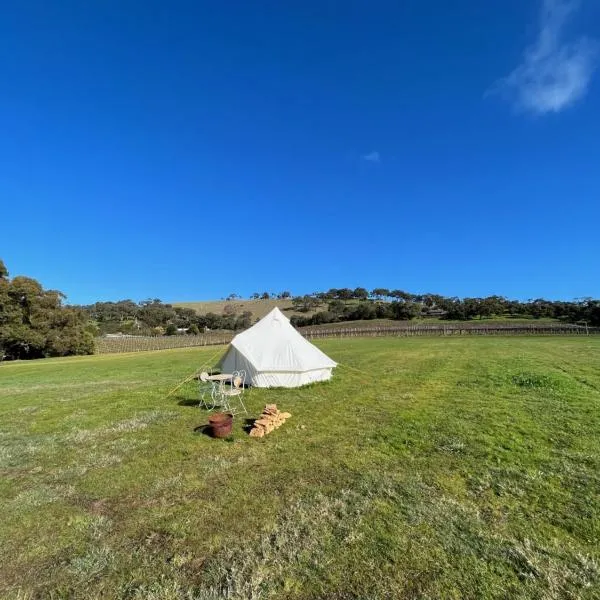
(153, 317)
(35, 323)
(359, 304)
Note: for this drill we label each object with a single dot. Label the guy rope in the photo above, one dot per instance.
(193, 375)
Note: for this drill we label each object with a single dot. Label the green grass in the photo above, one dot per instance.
(444, 468)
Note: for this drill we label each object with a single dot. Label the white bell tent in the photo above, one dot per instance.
(274, 354)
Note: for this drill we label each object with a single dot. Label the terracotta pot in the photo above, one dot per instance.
(221, 424)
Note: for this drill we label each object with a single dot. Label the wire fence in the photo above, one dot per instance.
(138, 343)
(141, 343)
(451, 330)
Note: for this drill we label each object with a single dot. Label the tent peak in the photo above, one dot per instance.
(275, 313)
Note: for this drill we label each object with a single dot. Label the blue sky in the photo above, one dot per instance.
(188, 150)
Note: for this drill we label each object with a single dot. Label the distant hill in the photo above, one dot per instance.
(258, 308)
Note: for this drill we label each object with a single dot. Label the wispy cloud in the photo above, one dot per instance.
(554, 73)
(373, 157)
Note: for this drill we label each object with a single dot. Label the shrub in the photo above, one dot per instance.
(363, 311)
(324, 316)
(405, 311)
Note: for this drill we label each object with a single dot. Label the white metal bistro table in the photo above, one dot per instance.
(221, 377)
(216, 388)
(219, 397)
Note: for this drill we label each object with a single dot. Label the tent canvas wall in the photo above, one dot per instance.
(274, 354)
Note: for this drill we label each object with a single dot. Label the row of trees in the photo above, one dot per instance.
(153, 317)
(361, 293)
(410, 306)
(267, 296)
(34, 323)
(429, 305)
(338, 310)
(262, 296)
(334, 293)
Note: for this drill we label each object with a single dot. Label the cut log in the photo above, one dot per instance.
(270, 419)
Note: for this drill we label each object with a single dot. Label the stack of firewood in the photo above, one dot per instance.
(271, 418)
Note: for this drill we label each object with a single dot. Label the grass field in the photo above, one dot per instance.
(445, 468)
